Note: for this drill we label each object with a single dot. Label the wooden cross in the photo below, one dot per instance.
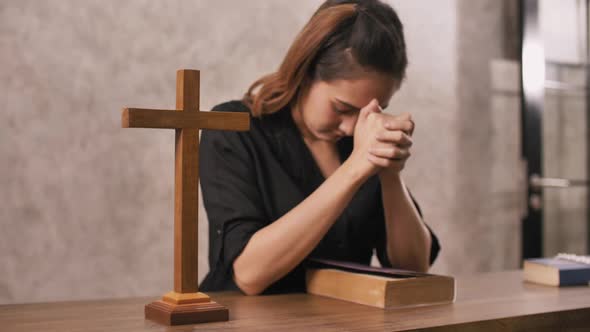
(185, 305)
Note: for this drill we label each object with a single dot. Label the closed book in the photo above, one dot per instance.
(556, 272)
(378, 287)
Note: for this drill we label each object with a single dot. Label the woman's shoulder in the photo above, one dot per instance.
(233, 138)
(268, 124)
(268, 131)
(234, 105)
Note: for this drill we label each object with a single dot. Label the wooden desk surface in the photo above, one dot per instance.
(485, 302)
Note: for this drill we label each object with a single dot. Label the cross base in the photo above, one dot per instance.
(177, 314)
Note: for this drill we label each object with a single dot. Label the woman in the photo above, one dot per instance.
(318, 174)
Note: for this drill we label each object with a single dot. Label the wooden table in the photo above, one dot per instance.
(485, 302)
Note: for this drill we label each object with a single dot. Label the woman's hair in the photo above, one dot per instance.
(342, 40)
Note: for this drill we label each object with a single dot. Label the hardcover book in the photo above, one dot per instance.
(378, 287)
(556, 272)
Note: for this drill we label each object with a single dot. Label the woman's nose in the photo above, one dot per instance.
(347, 124)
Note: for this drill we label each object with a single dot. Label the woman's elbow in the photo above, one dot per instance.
(249, 285)
(249, 289)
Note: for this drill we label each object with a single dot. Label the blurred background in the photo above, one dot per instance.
(498, 90)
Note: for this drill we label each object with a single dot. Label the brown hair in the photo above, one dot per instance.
(343, 39)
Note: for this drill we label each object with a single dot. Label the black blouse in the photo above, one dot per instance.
(250, 179)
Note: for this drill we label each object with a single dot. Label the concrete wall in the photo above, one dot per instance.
(86, 207)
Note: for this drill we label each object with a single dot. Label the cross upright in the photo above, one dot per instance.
(185, 305)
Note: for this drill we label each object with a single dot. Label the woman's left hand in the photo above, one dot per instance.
(395, 140)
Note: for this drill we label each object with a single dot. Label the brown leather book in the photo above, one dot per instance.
(378, 287)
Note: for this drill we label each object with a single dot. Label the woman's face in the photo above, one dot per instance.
(330, 109)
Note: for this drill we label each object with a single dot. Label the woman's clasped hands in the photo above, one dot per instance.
(381, 141)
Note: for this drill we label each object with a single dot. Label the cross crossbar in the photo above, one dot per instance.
(178, 119)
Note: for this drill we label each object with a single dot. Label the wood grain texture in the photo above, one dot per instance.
(171, 314)
(185, 304)
(186, 190)
(485, 302)
(173, 119)
(186, 187)
(187, 120)
(380, 291)
(186, 211)
(185, 298)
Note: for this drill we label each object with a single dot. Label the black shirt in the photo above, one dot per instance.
(250, 179)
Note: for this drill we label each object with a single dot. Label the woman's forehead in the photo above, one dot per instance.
(356, 93)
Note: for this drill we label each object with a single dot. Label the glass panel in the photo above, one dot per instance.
(565, 125)
(565, 149)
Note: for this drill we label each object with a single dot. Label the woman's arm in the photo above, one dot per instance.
(276, 249)
(408, 239)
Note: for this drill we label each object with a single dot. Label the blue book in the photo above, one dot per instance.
(556, 272)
